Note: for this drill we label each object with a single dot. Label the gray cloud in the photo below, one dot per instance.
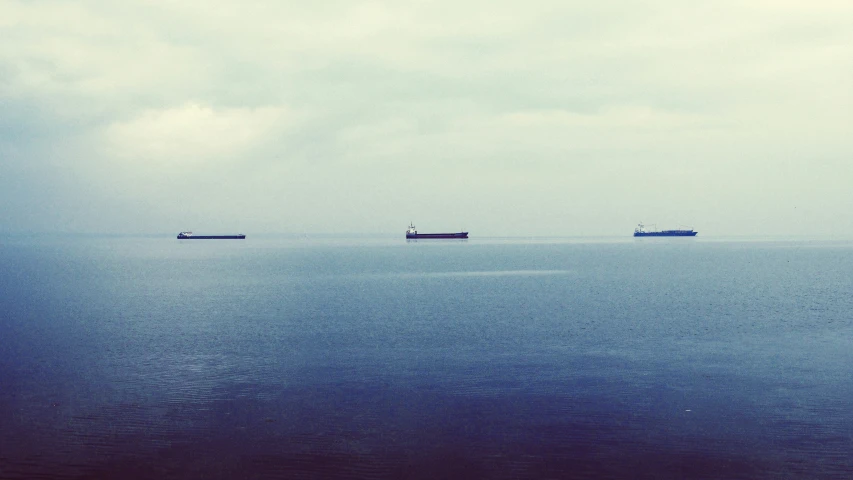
(549, 118)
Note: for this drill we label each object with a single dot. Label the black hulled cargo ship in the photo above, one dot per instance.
(190, 236)
(641, 231)
(412, 233)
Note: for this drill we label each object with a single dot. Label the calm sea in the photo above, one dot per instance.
(381, 358)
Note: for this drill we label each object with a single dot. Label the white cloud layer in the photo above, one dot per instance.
(191, 133)
(548, 118)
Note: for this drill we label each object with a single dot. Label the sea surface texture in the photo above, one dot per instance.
(386, 359)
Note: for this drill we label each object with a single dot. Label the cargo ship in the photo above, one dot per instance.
(412, 233)
(190, 236)
(641, 231)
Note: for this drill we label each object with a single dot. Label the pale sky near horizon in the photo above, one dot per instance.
(502, 118)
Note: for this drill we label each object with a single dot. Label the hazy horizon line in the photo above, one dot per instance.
(387, 234)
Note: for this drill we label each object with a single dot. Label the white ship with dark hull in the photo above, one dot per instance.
(641, 231)
(412, 233)
(190, 236)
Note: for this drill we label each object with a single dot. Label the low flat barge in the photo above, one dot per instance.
(190, 236)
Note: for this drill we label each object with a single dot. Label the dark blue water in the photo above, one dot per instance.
(360, 358)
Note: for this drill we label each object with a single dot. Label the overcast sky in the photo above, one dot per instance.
(499, 117)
